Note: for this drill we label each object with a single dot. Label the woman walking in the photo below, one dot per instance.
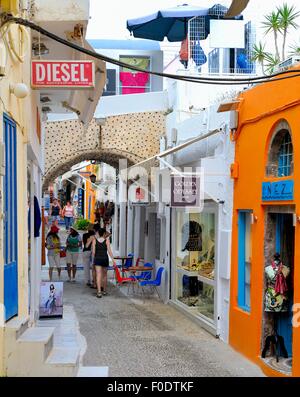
(53, 247)
(68, 213)
(73, 246)
(100, 251)
(87, 239)
(55, 211)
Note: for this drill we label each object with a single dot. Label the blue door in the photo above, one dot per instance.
(10, 220)
(285, 235)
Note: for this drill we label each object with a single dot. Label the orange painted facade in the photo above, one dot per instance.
(260, 110)
(90, 196)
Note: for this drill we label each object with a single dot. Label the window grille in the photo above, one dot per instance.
(285, 156)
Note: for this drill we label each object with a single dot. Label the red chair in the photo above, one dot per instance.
(122, 280)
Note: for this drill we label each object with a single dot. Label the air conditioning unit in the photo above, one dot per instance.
(282, 66)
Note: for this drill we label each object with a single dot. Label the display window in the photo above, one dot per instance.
(195, 262)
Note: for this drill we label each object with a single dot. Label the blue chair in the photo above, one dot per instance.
(144, 275)
(127, 263)
(153, 284)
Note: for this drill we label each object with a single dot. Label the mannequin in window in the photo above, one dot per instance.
(276, 302)
(276, 292)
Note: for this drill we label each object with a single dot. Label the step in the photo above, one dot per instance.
(62, 362)
(68, 356)
(92, 372)
(17, 326)
(41, 337)
(32, 349)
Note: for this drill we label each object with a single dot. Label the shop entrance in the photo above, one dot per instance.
(279, 238)
(285, 234)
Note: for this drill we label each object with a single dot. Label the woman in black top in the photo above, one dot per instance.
(100, 251)
(87, 256)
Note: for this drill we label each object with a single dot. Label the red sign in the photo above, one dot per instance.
(59, 74)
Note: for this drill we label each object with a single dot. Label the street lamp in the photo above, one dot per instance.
(93, 178)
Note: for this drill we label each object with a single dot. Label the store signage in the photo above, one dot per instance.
(60, 74)
(278, 191)
(185, 191)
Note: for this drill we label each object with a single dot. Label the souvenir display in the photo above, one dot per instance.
(276, 298)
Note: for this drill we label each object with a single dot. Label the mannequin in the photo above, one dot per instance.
(276, 301)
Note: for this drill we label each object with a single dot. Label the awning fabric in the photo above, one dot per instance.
(236, 8)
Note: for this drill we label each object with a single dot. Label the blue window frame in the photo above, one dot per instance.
(244, 259)
(285, 156)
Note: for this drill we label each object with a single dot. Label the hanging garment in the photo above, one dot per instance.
(193, 230)
(276, 298)
(184, 50)
(133, 83)
(198, 54)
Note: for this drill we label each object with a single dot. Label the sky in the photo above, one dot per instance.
(108, 18)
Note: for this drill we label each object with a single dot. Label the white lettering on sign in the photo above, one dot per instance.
(63, 73)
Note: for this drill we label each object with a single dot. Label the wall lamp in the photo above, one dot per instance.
(93, 178)
(20, 90)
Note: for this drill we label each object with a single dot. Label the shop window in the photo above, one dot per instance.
(132, 82)
(244, 259)
(280, 159)
(157, 238)
(195, 262)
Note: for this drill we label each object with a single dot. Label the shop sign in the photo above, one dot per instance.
(185, 191)
(60, 74)
(278, 191)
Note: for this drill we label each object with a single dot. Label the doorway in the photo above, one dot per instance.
(10, 220)
(280, 238)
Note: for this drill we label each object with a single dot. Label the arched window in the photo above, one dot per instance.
(285, 156)
(280, 156)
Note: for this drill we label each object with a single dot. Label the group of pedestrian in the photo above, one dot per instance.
(67, 212)
(96, 250)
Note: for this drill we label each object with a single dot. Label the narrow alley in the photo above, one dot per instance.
(136, 338)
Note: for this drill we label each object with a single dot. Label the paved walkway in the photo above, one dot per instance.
(134, 338)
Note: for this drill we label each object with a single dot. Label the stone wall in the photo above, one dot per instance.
(134, 137)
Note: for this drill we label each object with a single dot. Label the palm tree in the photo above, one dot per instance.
(272, 63)
(259, 54)
(287, 17)
(272, 24)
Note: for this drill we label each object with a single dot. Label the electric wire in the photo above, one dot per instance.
(6, 18)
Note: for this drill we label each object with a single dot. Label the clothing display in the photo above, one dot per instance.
(193, 230)
(276, 299)
(134, 83)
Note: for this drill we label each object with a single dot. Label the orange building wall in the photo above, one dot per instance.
(265, 106)
(90, 192)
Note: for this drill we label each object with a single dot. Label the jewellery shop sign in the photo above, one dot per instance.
(62, 74)
(187, 191)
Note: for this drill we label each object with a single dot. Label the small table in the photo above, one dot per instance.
(123, 259)
(134, 269)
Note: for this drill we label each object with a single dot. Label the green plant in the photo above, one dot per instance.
(287, 19)
(272, 63)
(259, 54)
(294, 49)
(82, 224)
(272, 23)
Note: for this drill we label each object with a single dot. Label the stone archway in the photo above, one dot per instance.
(134, 137)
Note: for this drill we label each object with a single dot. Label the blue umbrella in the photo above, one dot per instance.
(171, 23)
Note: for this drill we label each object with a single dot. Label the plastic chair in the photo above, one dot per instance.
(122, 280)
(155, 282)
(128, 263)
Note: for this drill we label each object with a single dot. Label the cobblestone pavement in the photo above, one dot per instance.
(136, 338)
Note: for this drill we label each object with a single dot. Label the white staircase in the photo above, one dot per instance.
(45, 351)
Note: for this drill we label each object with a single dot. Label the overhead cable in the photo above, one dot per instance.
(6, 18)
